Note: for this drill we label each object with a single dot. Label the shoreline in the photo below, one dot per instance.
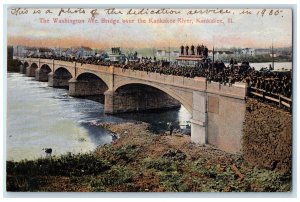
(141, 161)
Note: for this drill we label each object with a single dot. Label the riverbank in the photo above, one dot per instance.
(140, 161)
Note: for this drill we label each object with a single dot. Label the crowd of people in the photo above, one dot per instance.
(270, 81)
(277, 83)
(265, 79)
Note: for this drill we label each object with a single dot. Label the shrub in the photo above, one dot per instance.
(66, 165)
(264, 180)
(173, 182)
(127, 153)
(160, 164)
(117, 175)
(175, 155)
(23, 183)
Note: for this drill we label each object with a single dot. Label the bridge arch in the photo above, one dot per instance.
(102, 77)
(22, 66)
(94, 79)
(30, 70)
(19, 63)
(119, 87)
(60, 78)
(87, 84)
(63, 73)
(46, 69)
(42, 73)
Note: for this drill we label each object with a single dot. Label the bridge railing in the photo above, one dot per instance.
(280, 100)
(237, 90)
(46, 61)
(97, 68)
(63, 63)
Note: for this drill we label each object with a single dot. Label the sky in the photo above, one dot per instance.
(248, 29)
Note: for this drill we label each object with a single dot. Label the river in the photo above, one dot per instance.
(277, 65)
(40, 117)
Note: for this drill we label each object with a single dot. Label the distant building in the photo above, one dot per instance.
(160, 53)
(31, 51)
(19, 51)
(116, 55)
(167, 55)
(82, 52)
(248, 51)
(274, 55)
(262, 51)
(175, 53)
(220, 55)
(77, 52)
(44, 52)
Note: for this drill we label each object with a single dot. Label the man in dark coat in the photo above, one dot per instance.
(187, 50)
(193, 49)
(182, 50)
(198, 50)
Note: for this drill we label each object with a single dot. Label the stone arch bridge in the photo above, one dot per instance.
(217, 111)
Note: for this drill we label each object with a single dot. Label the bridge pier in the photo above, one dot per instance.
(85, 88)
(59, 79)
(56, 82)
(198, 132)
(22, 69)
(30, 71)
(199, 119)
(109, 102)
(41, 75)
(50, 79)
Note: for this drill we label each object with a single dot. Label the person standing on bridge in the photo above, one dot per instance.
(198, 50)
(193, 49)
(182, 49)
(187, 50)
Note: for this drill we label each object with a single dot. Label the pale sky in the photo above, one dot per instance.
(246, 30)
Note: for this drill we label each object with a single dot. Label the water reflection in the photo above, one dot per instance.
(159, 119)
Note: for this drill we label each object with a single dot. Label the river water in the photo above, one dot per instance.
(277, 65)
(40, 117)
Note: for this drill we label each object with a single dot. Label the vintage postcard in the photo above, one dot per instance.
(149, 99)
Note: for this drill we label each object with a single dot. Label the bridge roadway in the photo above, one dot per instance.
(218, 111)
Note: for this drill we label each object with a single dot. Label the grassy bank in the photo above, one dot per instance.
(140, 161)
